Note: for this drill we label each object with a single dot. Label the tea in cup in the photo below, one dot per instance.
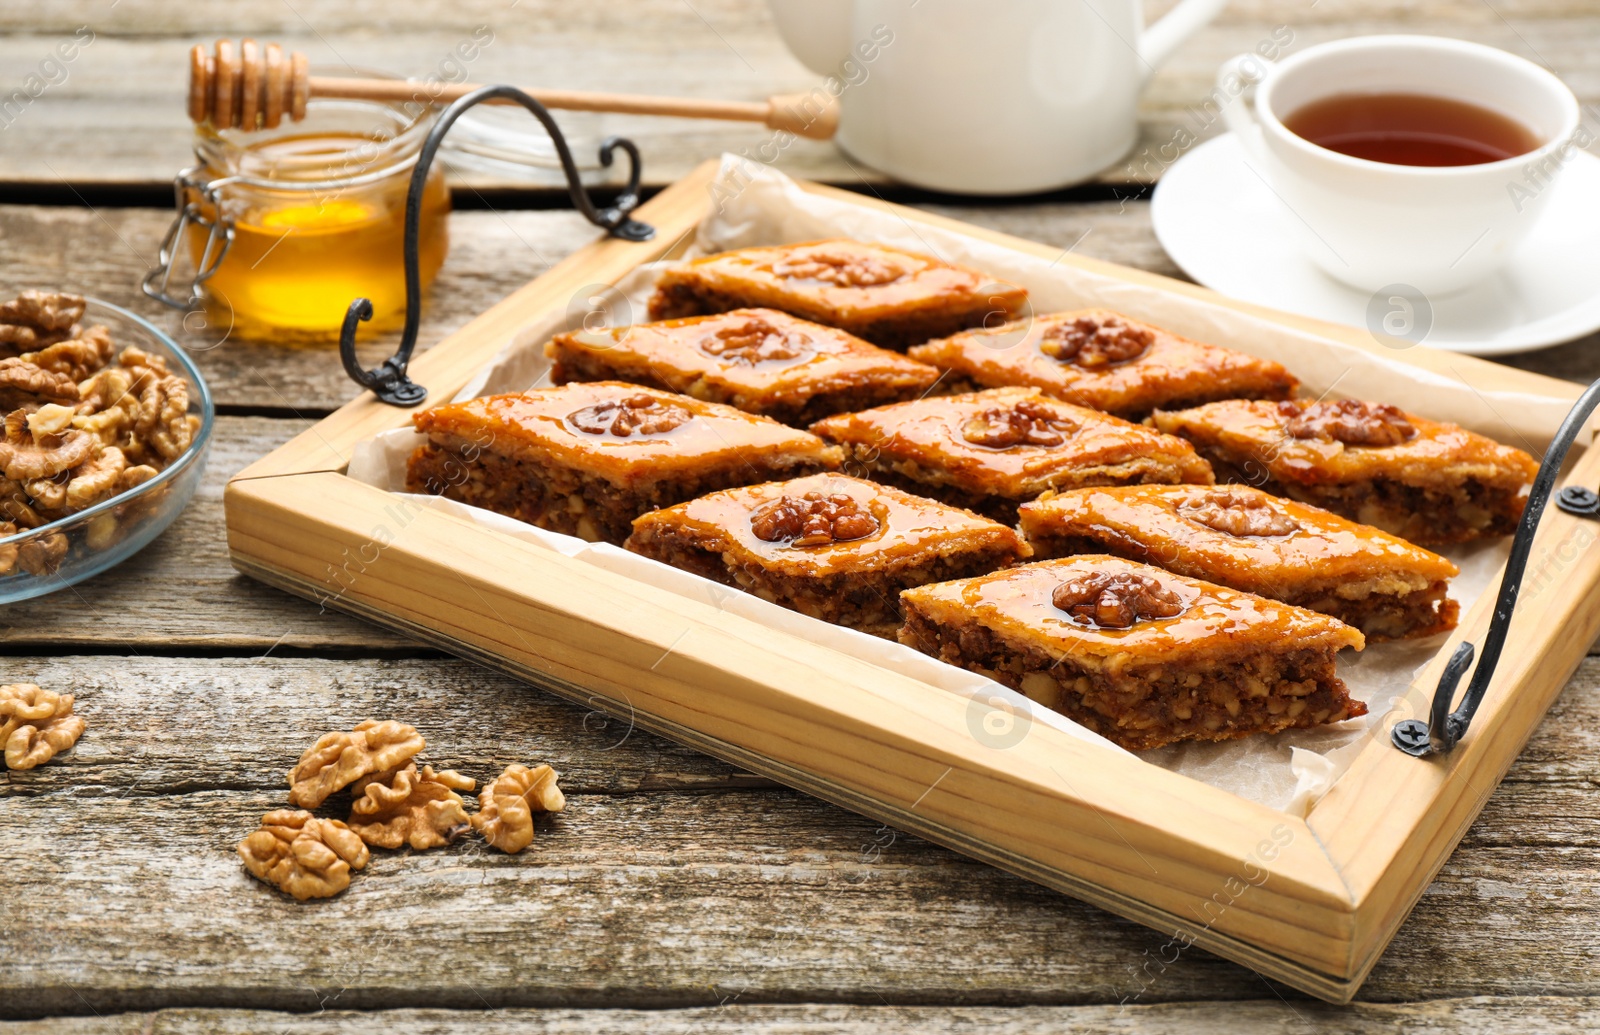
(1404, 160)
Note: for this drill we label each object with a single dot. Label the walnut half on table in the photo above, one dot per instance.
(421, 810)
(338, 760)
(36, 725)
(506, 805)
(302, 855)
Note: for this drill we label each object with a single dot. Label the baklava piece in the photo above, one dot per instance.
(890, 297)
(758, 360)
(1139, 655)
(835, 548)
(586, 459)
(1105, 361)
(1247, 539)
(990, 451)
(1431, 483)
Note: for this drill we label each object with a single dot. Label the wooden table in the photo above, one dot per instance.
(676, 893)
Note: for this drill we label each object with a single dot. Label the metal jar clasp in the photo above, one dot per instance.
(192, 195)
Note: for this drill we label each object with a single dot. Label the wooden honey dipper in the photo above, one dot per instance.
(249, 85)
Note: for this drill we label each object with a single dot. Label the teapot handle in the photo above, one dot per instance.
(1162, 38)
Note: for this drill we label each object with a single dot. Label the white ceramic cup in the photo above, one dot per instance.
(1374, 225)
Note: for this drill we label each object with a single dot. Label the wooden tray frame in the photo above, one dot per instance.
(1309, 902)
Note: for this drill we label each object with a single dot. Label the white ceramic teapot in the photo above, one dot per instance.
(986, 96)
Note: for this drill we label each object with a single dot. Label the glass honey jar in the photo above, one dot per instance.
(285, 227)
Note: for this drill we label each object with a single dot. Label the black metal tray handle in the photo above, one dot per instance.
(1444, 727)
(388, 381)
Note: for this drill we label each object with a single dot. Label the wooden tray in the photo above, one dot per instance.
(1310, 902)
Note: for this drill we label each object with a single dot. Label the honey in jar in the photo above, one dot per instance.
(316, 215)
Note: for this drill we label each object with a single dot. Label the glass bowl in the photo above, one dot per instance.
(113, 530)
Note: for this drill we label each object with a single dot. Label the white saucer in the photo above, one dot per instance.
(1227, 230)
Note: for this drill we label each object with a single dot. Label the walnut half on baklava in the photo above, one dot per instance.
(1139, 655)
(990, 451)
(888, 296)
(1246, 539)
(835, 548)
(586, 459)
(1105, 361)
(758, 360)
(1425, 481)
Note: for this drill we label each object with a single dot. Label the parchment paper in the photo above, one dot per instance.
(757, 205)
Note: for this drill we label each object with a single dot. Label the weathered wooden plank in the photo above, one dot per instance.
(105, 252)
(1554, 1015)
(732, 18)
(1575, 361)
(260, 714)
(119, 118)
(121, 102)
(640, 894)
(673, 900)
(182, 592)
(647, 900)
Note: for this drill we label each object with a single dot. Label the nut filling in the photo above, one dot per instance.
(1028, 423)
(1351, 421)
(755, 342)
(840, 269)
(635, 415)
(1145, 705)
(1094, 343)
(812, 520)
(1239, 514)
(1116, 600)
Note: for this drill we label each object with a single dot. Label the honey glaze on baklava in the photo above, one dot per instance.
(1246, 539)
(758, 360)
(1104, 361)
(586, 459)
(1141, 656)
(889, 296)
(990, 451)
(836, 548)
(1426, 481)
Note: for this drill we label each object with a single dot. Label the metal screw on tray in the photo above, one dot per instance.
(1445, 728)
(1575, 499)
(1411, 736)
